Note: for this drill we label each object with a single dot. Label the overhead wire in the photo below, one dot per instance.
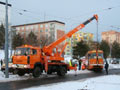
(36, 13)
(97, 11)
(27, 16)
(41, 14)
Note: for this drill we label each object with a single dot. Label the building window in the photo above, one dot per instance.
(36, 26)
(46, 25)
(80, 34)
(46, 30)
(27, 32)
(31, 27)
(85, 37)
(41, 26)
(22, 33)
(18, 28)
(35, 31)
(68, 50)
(22, 28)
(27, 27)
(68, 40)
(46, 35)
(41, 30)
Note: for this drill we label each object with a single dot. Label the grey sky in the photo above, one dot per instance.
(72, 12)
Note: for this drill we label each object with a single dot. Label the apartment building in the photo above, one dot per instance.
(47, 28)
(111, 36)
(55, 29)
(78, 36)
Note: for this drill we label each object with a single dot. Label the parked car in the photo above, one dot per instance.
(115, 61)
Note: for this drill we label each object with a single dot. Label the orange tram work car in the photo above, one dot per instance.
(94, 60)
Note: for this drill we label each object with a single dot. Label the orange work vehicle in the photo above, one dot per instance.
(35, 60)
(94, 60)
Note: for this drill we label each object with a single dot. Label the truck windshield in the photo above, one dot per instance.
(93, 55)
(22, 51)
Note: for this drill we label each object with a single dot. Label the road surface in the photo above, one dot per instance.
(15, 85)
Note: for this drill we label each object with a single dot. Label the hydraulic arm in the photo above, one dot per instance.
(48, 49)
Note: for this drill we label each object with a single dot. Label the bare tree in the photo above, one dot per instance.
(44, 41)
(31, 39)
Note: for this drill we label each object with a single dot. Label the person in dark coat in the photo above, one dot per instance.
(80, 61)
(1, 62)
(106, 67)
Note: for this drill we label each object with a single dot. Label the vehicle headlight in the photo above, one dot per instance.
(49, 60)
(26, 66)
(14, 65)
(3, 65)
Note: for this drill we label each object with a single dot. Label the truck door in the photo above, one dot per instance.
(34, 57)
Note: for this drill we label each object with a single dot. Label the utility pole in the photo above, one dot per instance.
(11, 35)
(6, 41)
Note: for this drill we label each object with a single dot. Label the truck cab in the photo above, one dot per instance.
(25, 58)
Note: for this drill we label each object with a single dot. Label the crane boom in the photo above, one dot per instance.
(48, 49)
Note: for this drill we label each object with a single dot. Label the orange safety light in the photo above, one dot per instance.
(26, 45)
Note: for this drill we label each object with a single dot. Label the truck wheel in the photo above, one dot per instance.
(49, 72)
(61, 71)
(20, 73)
(36, 72)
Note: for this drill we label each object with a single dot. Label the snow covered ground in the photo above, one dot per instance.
(12, 77)
(114, 66)
(111, 82)
(27, 76)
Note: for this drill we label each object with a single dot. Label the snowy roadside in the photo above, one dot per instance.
(27, 76)
(12, 77)
(114, 66)
(16, 77)
(110, 82)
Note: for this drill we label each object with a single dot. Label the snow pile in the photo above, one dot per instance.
(79, 71)
(114, 66)
(12, 77)
(111, 82)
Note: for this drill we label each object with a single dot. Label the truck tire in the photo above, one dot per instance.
(20, 73)
(36, 72)
(49, 72)
(62, 71)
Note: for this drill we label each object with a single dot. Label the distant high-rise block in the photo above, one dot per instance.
(77, 37)
(111, 36)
